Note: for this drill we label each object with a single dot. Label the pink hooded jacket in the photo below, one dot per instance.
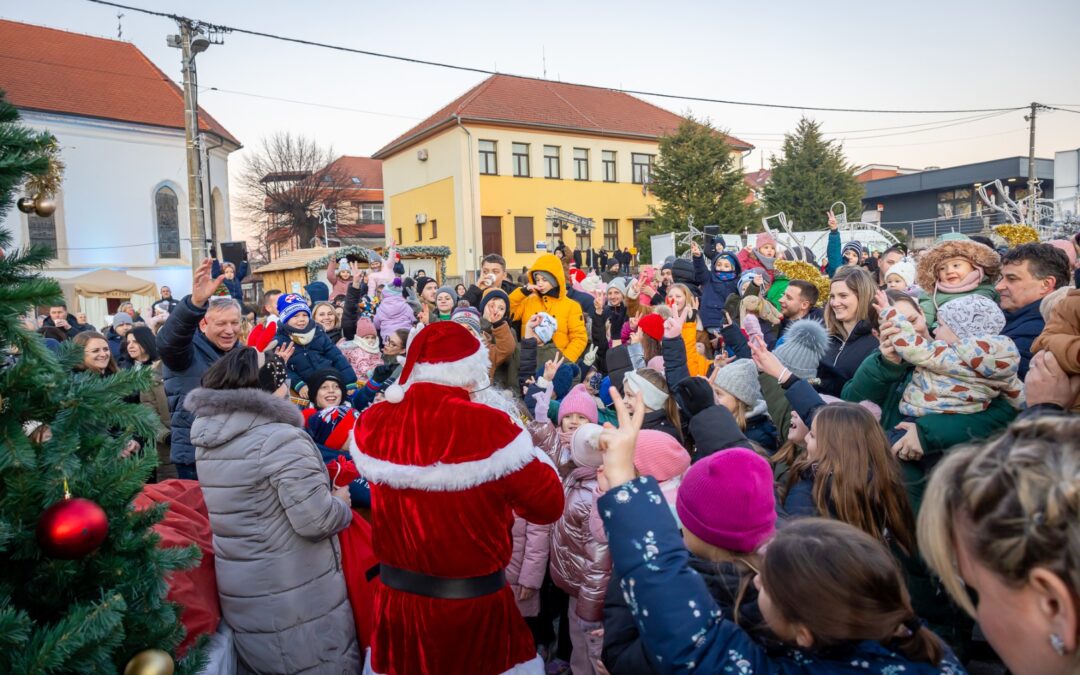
(580, 564)
(528, 562)
(393, 313)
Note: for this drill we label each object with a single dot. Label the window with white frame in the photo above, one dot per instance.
(551, 162)
(488, 164)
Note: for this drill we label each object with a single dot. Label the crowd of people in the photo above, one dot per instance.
(708, 466)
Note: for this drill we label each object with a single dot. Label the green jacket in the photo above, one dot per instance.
(930, 301)
(779, 408)
(883, 383)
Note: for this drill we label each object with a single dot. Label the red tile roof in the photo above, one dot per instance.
(756, 180)
(368, 170)
(57, 71)
(543, 104)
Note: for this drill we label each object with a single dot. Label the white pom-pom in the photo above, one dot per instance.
(395, 393)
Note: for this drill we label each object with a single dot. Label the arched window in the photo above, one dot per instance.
(166, 206)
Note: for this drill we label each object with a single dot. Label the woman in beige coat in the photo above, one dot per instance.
(274, 515)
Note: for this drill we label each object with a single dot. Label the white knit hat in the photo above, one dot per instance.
(905, 269)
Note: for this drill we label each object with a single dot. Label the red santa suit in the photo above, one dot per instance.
(447, 476)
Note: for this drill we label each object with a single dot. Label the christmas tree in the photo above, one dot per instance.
(82, 581)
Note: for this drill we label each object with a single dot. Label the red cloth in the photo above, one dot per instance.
(342, 472)
(187, 522)
(261, 335)
(357, 558)
(452, 523)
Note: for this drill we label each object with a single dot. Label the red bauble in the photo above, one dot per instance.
(72, 528)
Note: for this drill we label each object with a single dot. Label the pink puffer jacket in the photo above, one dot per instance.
(580, 565)
(528, 562)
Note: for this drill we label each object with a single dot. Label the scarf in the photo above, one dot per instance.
(566, 437)
(302, 337)
(369, 345)
(335, 413)
(769, 263)
(724, 276)
(968, 283)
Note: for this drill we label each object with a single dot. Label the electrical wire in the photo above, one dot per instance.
(328, 106)
(485, 71)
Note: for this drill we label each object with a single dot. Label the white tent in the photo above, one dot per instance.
(91, 292)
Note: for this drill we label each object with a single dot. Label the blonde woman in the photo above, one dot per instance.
(850, 319)
(1000, 524)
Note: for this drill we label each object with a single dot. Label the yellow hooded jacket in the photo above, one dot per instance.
(570, 337)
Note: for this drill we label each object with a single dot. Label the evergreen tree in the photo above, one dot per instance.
(811, 175)
(93, 613)
(697, 175)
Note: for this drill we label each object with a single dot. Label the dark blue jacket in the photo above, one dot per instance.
(320, 430)
(236, 284)
(116, 344)
(680, 622)
(1023, 326)
(844, 356)
(186, 354)
(714, 292)
(319, 354)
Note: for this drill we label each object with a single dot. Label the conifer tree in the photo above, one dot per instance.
(809, 177)
(61, 430)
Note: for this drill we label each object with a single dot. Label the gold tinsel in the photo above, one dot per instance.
(799, 269)
(48, 183)
(1017, 234)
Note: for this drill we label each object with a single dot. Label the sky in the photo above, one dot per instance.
(943, 55)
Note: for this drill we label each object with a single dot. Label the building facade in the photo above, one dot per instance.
(119, 120)
(517, 164)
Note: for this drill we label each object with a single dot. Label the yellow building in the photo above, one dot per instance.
(504, 167)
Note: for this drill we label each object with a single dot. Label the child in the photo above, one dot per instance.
(579, 564)
(967, 366)
(362, 352)
(953, 269)
(661, 410)
(393, 313)
(715, 286)
(547, 292)
(728, 513)
(329, 421)
(1061, 337)
(832, 594)
(576, 408)
(737, 388)
(379, 272)
(314, 350)
(852, 252)
(901, 277)
(233, 277)
(761, 258)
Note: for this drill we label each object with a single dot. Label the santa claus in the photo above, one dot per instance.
(447, 476)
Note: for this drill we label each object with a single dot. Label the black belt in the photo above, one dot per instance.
(445, 588)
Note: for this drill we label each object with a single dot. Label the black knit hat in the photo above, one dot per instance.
(422, 282)
(316, 381)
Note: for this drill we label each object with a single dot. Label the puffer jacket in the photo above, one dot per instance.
(580, 565)
(319, 354)
(274, 520)
(528, 562)
(393, 313)
(571, 336)
(714, 292)
(186, 355)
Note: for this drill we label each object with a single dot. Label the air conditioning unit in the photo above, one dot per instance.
(421, 154)
(421, 218)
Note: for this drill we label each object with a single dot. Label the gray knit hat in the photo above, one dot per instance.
(468, 317)
(449, 291)
(972, 316)
(120, 318)
(740, 379)
(804, 345)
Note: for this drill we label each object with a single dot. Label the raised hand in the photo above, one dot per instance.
(598, 302)
(285, 351)
(618, 444)
(765, 360)
(673, 327)
(695, 250)
(832, 221)
(881, 302)
(552, 367)
(357, 274)
(203, 284)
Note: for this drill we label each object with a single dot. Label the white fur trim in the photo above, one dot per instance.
(440, 477)
(543, 457)
(467, 372)
(534, 666)
(395, 393)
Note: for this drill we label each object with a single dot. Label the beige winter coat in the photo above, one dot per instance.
(274, 519)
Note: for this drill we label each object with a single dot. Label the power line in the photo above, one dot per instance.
(762, 134)
(310, 103)
(485, 71)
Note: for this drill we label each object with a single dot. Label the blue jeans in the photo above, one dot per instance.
(186, 471)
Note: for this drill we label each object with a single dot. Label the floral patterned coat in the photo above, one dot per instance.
(681, 623)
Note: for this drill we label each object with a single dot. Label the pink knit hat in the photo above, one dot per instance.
(659, 455)
(764, 238)
(578, 400)
(727, 500)
(365, 328)
(656, 363)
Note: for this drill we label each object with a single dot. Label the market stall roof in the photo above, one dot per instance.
(108, 283)
(298, 258)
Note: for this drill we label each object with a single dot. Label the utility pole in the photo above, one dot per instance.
(1033, 182)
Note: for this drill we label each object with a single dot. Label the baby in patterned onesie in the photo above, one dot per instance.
(966, 366)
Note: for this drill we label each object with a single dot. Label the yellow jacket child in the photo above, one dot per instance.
(546, 292)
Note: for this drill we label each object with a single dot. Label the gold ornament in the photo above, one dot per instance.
(1016, 235)
(44, 206)
(150, 662)
(26, 204)
(800, 269)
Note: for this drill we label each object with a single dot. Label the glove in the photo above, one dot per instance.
(382, 373)
(590, 356)
(342, 471)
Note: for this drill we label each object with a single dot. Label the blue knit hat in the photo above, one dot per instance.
(564, 378)
(291, 304)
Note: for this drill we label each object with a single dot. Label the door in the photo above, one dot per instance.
(491, 234)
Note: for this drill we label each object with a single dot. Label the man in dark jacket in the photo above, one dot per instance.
(60, 318)
(166, 304)
(195, 336)
(799, 302)
(1029, 273)
(121, 326)
(492, 275)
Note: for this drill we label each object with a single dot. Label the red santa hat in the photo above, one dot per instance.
(444, 353)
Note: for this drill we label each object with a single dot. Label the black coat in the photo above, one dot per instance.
(843, 358)
(186, 354)
(657, 420)
(715, 429)
(75, 326)
(473, 294)
(625, 652)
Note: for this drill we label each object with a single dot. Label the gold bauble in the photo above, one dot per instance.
(44, 206)
(26, 204)
(150, 662)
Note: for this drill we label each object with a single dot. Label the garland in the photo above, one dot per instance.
(439, 252)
